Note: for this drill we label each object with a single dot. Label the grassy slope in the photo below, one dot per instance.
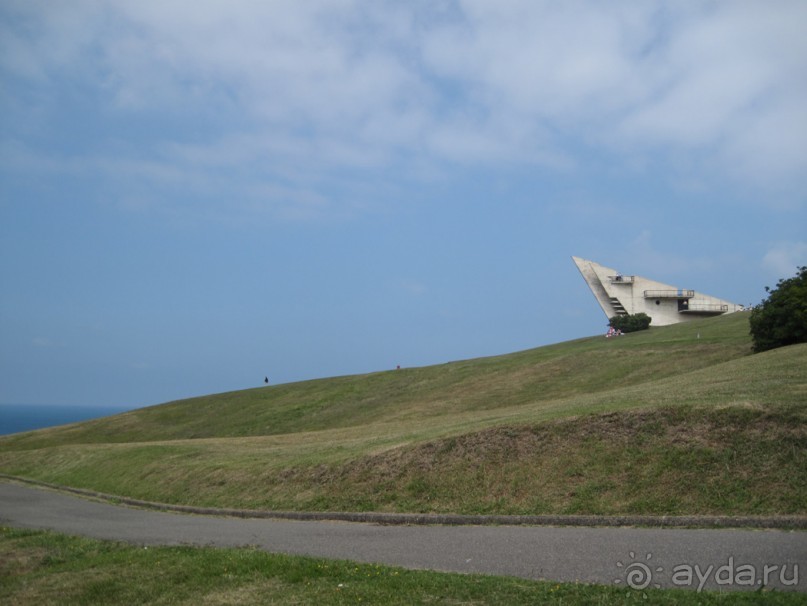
(39, 568)
(553, 373)
(679, 419)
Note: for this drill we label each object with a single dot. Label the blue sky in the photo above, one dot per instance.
(195, 195)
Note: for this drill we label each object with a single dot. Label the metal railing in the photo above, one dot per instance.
(669, 294)
(706, 308)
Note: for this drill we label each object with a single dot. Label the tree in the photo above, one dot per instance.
(782, 318)
(631, 322)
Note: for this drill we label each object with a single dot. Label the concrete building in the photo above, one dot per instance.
(619, 295)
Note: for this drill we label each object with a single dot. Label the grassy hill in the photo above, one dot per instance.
(674, 420)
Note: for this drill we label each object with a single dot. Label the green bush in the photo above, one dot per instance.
(782, 318)
(631, 322)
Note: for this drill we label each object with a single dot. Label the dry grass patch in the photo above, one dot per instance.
(548, 430)
(664, 461)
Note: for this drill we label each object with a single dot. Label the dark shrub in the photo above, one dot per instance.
(631, 323)
(782, 318)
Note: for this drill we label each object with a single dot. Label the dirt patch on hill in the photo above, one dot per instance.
(663, 461)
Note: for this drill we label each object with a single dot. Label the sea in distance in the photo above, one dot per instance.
(15, 418)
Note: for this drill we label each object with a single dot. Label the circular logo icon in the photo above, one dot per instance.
(638, 575)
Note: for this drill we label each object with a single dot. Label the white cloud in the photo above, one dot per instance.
(783, 259)
(45, 343)
(546, 60)
(642, 256)
(308, 88)
(728, 82)
(412, 288)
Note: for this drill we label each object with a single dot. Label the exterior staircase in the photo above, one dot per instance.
(618, 307)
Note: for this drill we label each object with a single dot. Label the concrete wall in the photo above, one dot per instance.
(630, 294)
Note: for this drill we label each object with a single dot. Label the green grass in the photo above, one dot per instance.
(549, 374)
(41, 568)
(674, 420)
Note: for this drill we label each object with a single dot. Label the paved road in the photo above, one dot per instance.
(635, 557)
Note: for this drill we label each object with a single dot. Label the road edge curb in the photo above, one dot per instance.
(789, 522)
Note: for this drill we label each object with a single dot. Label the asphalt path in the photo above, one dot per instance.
(635, 558)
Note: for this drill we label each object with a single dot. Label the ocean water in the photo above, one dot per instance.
(15, 418)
